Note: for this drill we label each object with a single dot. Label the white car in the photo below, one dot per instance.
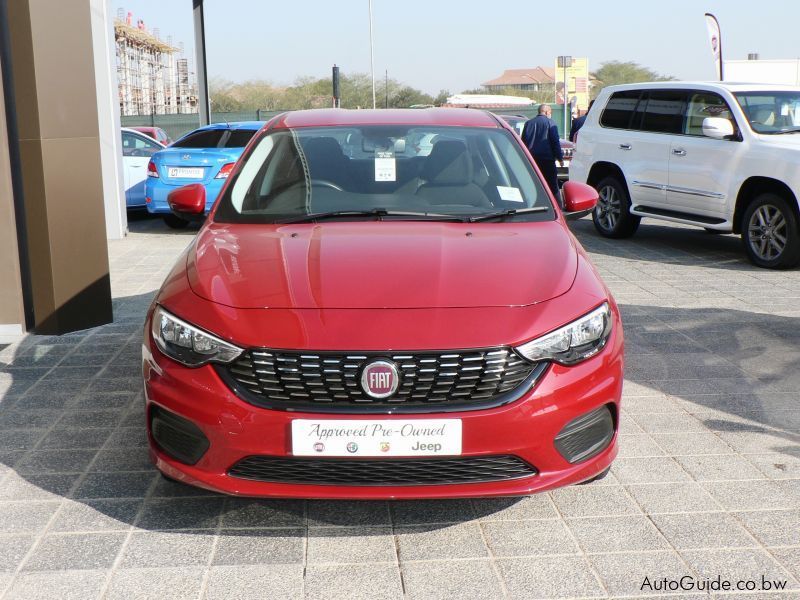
(137, 148)
(725, 157)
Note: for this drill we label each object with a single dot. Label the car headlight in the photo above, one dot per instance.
(581, 339)
(187, 344)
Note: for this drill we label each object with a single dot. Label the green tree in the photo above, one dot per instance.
(615, 72)
(223, 96)
(312, 92)
(441, 97)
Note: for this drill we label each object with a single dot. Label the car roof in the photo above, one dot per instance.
(727, 85)
(132, 130)
(464, 117)
(254, 125)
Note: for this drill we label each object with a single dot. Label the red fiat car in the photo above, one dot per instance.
(354, 320)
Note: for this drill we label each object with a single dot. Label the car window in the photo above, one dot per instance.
(771, 112)
(238, 138)
(702, 105)
(664, 111)
(201, 139)
(466, 172)
(134, 145)
(619, 110)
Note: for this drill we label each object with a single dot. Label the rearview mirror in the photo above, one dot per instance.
(717, 128)
(188, 202)
(579, 199)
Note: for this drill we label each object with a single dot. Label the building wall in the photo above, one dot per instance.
(59, 145)
(786, 72)
(11, 311)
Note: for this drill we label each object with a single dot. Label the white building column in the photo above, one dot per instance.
(109, 119)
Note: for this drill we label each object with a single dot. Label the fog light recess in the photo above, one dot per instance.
(177, 437)
(586, 436)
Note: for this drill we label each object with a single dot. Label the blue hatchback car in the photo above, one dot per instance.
(206, 155)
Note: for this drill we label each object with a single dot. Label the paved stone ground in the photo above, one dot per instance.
(707, 483)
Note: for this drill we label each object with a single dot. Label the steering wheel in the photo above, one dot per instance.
(326, 183)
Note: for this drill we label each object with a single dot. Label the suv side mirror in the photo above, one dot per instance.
(579, 199)
(188, 202)
(717, 128)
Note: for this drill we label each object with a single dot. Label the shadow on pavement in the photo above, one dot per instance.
(672, 243)
(143, 222)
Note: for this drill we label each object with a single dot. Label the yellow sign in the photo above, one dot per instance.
(577, 83)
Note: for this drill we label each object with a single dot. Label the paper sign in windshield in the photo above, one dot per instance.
(385, 168)
(509, 194)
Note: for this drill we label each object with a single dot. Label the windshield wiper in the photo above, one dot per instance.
(375, 212)
(508, 213)
(787, 131)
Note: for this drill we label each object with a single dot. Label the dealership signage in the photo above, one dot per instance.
(376, 437)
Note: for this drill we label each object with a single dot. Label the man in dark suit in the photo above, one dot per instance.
(540, 135)
(578, 123)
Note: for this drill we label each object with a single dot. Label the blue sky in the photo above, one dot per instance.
(457, 44)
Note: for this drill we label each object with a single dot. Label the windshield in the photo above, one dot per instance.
(771, 112)
(384, 172)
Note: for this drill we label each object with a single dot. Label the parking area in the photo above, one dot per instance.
(707, 483)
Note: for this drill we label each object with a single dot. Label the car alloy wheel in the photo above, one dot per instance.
(609, 207)
(611, 216)
(768, 232)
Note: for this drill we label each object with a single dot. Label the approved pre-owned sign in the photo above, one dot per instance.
(418, 437)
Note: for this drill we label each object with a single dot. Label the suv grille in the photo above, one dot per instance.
(404, 471)
(316, 380)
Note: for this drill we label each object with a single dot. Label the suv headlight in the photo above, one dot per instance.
(187, 344)
(581, 339)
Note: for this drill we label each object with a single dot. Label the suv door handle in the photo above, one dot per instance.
(679, 152)
(625, 146)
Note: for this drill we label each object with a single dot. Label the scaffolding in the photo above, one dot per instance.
(152, 80)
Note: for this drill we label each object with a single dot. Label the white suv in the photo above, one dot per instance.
(721, 156)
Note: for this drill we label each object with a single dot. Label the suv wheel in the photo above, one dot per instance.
(174, 222)
(770, 232)
(611, 216)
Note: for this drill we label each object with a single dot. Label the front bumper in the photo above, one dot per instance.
(526, 428)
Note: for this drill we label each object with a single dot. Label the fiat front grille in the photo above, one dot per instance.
(428, 381)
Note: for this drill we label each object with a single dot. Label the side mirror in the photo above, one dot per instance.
(188, 202)
(717, 128)
(579, 199)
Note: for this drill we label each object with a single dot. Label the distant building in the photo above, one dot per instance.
(151, 79)
(536, 79)
(755, 70)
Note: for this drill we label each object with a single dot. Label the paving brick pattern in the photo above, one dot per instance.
(707, 482)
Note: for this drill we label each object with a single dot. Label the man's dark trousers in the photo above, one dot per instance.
(548, 168)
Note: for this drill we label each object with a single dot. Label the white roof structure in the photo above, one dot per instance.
(487, 100)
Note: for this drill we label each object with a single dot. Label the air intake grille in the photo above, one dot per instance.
(417, 471)
(280, 379)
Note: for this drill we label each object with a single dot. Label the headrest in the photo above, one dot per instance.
(764, 116)
(448, 164)
(318, 149)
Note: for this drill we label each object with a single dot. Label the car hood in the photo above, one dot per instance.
(380, 264)
(786, 141)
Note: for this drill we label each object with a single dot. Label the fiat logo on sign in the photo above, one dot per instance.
(380, 379)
